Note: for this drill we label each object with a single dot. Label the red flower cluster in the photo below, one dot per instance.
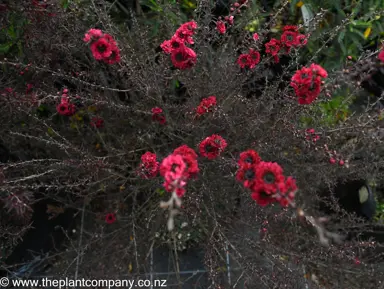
(206, 105)
(290, 38)
(182, 56)
(381, 55)
(212, 146)
(65, 107)
(249, 60)
(265, 180)
(307, 83)
(103, 46)
(176, 169)
(157, 115)
(149, 166)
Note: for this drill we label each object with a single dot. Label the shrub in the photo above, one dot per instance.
(104, 127)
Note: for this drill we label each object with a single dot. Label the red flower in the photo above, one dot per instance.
(268, 176)
(303, 76)
(301, 40)
(244, 60)
(185, 150)
(190, 159)
(110, 218)
(97, 122)
(149, 166)
(92, 34)
(309, 93)
(212, 146)
(157, 115)
(172, 164)
(206, 105)
(247, 174)
(176, 43)
(230, 20)
(317, 69)
(290, 28)
(381, 55)
(101, 48)
(173, 170)
(157, 110)
(220, 26)
(66, 108)
(254, 58)
(115, 55)
(185, 34)
(307, 83)
(190, 26)
(289, 39)
(166, 46)
(273, 46)
(249, 157)
(286, 192)
(261, 197)
(255, 36)
(183, 57)
(110, 39)
(169, 45)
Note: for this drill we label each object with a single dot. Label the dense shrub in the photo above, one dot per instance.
(96, 120)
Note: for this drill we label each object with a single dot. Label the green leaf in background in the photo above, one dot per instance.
(65, 4)
(50, 132)
(4, 48)
(160, 191)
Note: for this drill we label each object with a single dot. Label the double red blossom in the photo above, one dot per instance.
(206, 105)
(157, 115)
(268, 176)
(249, 157)
(220, 26)
(249, 60)
(273, 47)
(169, 45)
(247, 174)
(212, 146)
(65, 107)
(103, 46)
(190, 159)
(149, 166)
(110, 218)
(173, 169)
(182, 56)
(307, 83)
